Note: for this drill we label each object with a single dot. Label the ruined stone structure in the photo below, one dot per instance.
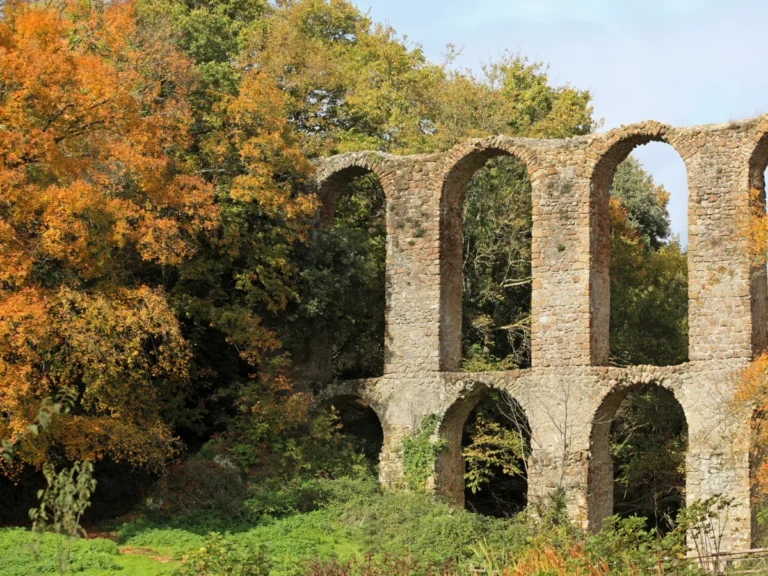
(570, 394)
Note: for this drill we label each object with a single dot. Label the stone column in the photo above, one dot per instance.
(720, 285)
(560, 260)
(413, 267)
(718, 460)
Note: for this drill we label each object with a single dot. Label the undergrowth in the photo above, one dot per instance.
(353, 527)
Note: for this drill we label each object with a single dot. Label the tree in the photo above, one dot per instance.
(497, 268)
(496, 446)
(645, 202)
(97, 206)
(649, 274)
(649, 325)
(649, 439)
(342, 281)
(354, 85)
(152, 203)
(231, 294)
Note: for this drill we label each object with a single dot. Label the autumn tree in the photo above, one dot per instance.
(97, 205)
(751, 396)
(230, 295)
(649, 274)
(147, 229)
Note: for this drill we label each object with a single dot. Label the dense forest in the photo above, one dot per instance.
(164, 282)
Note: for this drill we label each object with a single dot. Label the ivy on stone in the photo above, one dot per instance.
(420, 452)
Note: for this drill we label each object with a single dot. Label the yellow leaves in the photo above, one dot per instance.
(752, 393)
(246, 333)
(753, 383)
(492, 446)
(257, 127)
(260, 130)
(94, 121)
(753, 229)
(87, 138)
(89, 126)
(124, 350)
(546, 560)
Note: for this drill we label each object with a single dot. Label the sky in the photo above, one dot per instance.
(683, 62)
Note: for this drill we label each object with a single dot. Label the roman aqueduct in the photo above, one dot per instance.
(570, 393)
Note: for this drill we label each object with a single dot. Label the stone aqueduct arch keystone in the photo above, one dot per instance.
(568, 392)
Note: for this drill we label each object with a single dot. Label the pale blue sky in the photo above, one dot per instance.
(684, 62)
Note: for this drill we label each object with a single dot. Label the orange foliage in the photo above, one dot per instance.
(549, 561)
(753, 229)
(620, 224)
(94, 122)
(752, 389)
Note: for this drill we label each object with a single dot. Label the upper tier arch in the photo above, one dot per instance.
(570, 179)
(334, 174)
(459, 165)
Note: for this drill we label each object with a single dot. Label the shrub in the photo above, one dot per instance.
(17, 558)
(62, 504)
(370, 566)
(275, 499)
(627, 546)
(548, 561)
(221, 556)
(199, 485)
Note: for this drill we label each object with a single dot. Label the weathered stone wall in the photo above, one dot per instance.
(569, 395)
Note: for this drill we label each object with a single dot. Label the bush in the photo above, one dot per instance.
(628, 547)
(17, 558)
(420, 451)
(221, 556)
(428, 530)
(199, 485)
(370, 566)
(277, 499)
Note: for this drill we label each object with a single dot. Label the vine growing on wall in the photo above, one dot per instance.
(420, 451)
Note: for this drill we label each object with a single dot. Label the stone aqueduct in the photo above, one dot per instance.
(569, 394)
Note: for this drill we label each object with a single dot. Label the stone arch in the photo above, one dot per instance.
(337, 173)
(758, 162)
(618, 145)
(331, 182)
(600, 476)
(449, 466)
(359, 416)
(462, 163)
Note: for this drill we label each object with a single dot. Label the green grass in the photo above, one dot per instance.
(344, 519)
(336, 520)
(98, 557)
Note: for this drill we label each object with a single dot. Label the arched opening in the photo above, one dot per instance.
(757, 232)
(485, 255)
(343, 296)
(757, 489)
(638, 449)
(640, 267)
(358, 425)
(496, 448)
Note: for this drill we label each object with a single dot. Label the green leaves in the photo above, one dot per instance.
(62, 504)
(221, 556)
(49, 408)
(492, 446)
(649, 275)
(497, 267)
(420, 451)
(649, 438)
